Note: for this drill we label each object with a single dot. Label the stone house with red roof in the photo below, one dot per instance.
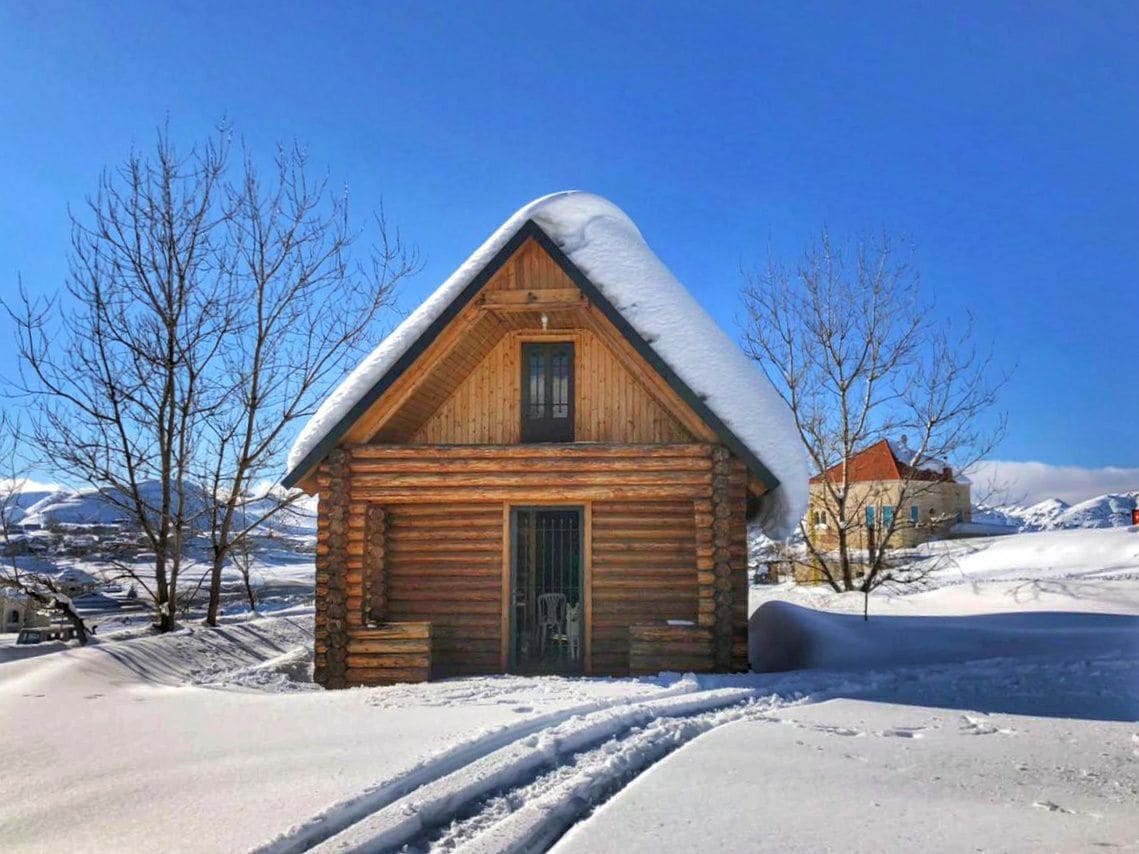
(889, 486)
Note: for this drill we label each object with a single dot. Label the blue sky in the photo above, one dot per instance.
(1000, 138)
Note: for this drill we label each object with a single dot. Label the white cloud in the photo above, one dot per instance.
(1030, 482)
(27, 485)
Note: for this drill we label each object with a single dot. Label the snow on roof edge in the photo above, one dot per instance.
(601, 240)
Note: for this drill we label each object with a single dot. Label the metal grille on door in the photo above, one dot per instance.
(547, 620)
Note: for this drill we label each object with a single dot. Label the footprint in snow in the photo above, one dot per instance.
(838, 730)
(902, 732)
(975, 726)
(1052, 807)
(522, 710)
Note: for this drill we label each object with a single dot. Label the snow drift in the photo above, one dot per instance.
(783, 636)
(608, 248)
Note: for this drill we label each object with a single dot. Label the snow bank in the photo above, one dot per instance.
(608, 248)
(783, 636)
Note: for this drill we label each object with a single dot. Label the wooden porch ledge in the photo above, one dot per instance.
(654, 647)
(389, 653)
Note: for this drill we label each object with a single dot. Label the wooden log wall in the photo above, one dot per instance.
(331, 620)
(611, 405)
(655, 647)
(385, 655)
(374, 569)
(644, 571)
(413, 534)
(462, 474)
(729, 556)
(444, 567)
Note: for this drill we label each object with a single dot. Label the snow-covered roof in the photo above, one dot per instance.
(606, 246)
(903, 453)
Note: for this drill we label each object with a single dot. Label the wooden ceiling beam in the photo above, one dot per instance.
(548, 299)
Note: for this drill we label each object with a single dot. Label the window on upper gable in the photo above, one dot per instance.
(547, 392)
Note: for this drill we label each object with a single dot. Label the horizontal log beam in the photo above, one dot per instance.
(386, 675)
(553, 492)
(394, 630)
(531, 300)
(552, 450)
(390, 661)
(437, 480)
(426, 463)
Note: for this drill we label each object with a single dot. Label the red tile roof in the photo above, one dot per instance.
(878, 462)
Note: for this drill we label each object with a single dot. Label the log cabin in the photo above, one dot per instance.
(549, 467)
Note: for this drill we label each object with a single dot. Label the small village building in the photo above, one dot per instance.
(73, 582)
(548, 467)
(17, 611)
(923, 501)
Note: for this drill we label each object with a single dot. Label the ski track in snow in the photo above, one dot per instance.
(523, 796)
(435, 793)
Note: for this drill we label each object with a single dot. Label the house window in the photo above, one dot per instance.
(915, 514)
(547, 392)
(869, 517)
(887, 516)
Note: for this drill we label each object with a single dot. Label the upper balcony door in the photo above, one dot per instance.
(547, 392)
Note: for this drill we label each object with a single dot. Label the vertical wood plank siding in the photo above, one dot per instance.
(611, 404)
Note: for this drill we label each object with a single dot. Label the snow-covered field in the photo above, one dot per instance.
(1012, 734)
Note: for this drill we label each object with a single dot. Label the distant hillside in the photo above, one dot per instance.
(22, 502)
(88, 508)
(1104, 511)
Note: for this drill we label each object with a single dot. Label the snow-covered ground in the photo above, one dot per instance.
(873, 776)
(1014, 745)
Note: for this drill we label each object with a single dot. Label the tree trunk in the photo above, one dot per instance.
(249, 592)
(844, 560)
(161, 588)
(215, 590)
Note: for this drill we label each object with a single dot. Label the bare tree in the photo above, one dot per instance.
(207, 309)
(41, 587)
(857, 355)
(243, 559)
(118, 371)
(301, 307)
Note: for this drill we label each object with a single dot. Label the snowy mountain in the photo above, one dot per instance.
(98, 507)
(20, 504)
(91, 507)
(1104, 511)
